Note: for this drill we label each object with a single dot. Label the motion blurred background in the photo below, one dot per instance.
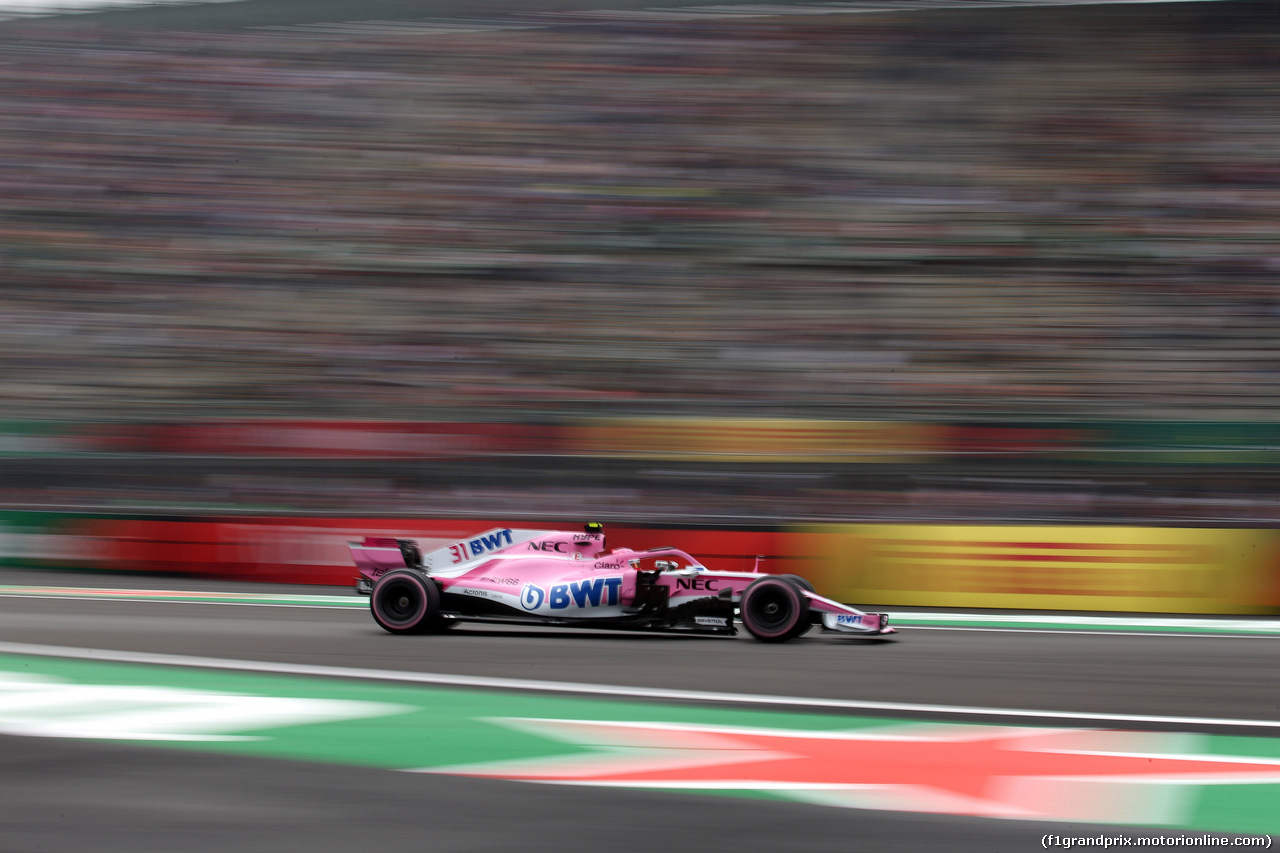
(729, 265)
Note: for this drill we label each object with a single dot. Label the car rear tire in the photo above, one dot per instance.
(405, 602)
(774, 610)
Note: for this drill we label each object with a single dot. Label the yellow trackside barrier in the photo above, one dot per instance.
(758, 439)
(1142, 569)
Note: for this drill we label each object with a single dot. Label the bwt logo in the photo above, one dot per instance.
(531, 597)
(591, 592)
(475, 547)
(846, 619)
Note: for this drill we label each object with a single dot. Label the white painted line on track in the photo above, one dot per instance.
(1030, 618)
(1088, 633)
(338, 602)
(1013, 623)
(11, 9)
(20, 9)
(532, 685)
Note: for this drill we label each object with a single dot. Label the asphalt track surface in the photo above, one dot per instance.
(1140, 675)
(61, 794)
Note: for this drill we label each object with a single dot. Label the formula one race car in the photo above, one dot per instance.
(569, 579)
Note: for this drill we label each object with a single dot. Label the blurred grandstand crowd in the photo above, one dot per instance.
(1015, 216)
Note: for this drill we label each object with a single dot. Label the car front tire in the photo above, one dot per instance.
(774, 610)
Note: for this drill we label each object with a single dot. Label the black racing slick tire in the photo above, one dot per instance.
(803, 583)
(405, 602)
(774, 610)
(796, 579)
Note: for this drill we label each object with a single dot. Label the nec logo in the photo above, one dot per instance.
(593, 593)
(701, 584)
(558, 547)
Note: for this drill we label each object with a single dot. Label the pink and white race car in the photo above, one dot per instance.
(569, 579)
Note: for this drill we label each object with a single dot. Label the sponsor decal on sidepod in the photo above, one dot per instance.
(531, 597)
(592, 592)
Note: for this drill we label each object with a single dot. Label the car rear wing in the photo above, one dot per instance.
(376, 555)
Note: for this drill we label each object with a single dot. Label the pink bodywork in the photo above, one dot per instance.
(567, 575)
